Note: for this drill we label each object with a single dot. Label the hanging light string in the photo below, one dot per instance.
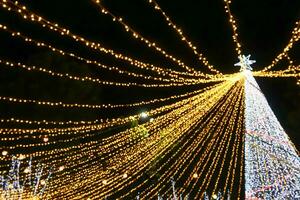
(233, 24)
(234, 148)
(103, 124)
(60, 75)
(60, 104)
(201, 126)
(141, 38)
(91, 79)
(223, 150)
(127, 182)
(194, 154)
(42, 44)
(284, 54)
(77, 130)
(80, 148)
(190, 152)
(193, 115)
(293, 71)
(30, 16)
(209, 151)
(183, 37)
(239, 149)
(113, 182)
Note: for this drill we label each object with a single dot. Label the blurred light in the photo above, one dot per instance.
(4, 153)
(144, 115)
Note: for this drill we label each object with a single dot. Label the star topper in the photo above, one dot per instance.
(245, 62)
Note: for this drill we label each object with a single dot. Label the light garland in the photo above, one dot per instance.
(141, 38)
(33, 17)
(42, 44)
(233, 24)
(184, 38)
(284, 54)
(194, 138)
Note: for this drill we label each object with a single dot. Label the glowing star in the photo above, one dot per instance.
(245, 62)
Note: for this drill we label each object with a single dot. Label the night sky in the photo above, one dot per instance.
(264, 29)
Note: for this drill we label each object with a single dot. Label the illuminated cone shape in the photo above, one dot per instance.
(272, 165)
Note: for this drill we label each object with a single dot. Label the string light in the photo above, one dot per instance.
(99, 81)
(284, 54)
(42, 44)
(4, 153)
(150, 44)
(90, 106)
(184, 38)
(93, 45)
(233, 24)
(196, 138)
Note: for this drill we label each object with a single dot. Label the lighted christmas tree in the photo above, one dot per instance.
(271, 161)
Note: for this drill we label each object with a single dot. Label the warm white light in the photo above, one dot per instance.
(4, 153)
(43, 182)
(144, 115)
(45, 139)
(27, 170)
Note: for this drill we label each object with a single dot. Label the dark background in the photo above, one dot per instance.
(264, 28)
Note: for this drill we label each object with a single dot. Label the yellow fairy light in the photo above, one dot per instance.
(21, 157)
(284, 54)
(27, 170)
(179, 82)
(147, 42)
(43, 182)
(214, 196)
(183, 37)
(233, 24)
(125, 175)
(201, 123)
(104, 182)
(4, 153)
(93, 45)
